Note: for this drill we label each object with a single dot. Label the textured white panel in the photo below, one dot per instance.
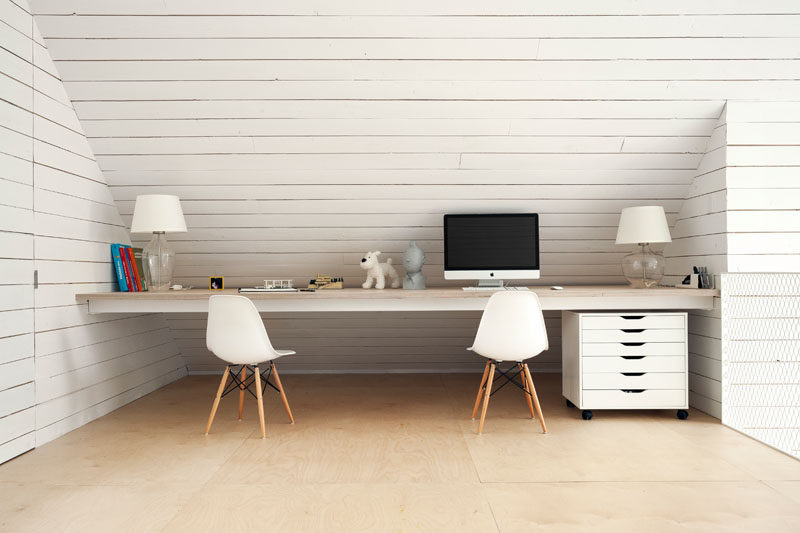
(760, 363)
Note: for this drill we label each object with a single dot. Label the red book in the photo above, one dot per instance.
(137, 279)
(127, 268)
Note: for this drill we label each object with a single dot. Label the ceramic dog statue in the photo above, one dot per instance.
(413, 259)
(377, 272)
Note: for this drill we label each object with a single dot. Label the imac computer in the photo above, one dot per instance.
(491, 248)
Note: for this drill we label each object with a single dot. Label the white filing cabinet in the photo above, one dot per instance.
(634, 360)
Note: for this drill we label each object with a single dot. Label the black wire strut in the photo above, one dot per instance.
(250, 380)
(509, 379)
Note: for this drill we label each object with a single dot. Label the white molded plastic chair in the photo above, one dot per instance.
(236, 334)
(511, 329)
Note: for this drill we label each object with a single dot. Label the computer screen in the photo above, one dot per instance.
(491, 246)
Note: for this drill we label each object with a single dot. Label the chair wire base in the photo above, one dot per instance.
(510, 378)
(237, 384)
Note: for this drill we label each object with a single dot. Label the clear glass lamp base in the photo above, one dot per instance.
(643, 268)
(158, 261)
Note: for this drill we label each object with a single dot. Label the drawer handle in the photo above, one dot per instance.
(632, 356)
(632, 343)
(633, 317)
(633, 391)
(633, 373)
(632, 330)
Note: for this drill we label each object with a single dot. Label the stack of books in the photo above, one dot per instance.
(128, 266)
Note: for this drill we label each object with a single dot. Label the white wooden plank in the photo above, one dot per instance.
(390, 161)
(17, 446)
(60, 340)
(99, 372)
(16, 169)
(16, 373)
(52, 411)
(17, 347)
(55, 134)
(415, 7)
(16, 17)
(70, 360)
(463, 26)
(395, 109)
(16, 194)
(54, 295)
(53, 179)
(668, 48)
(16, 271)
(70, 228)
(430, 69)
(16, 399)
(189, 194)
(225, 127)
(394, 144)
(199, 178)
(70, 206)
(16, 95)
(15, 322)
(15, 426)
(423, 89)
(14, 297)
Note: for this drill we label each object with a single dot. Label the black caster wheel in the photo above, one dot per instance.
(683, 414)
(570, 404)
(586, 415)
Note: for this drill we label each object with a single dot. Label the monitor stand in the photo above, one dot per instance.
(487, 285)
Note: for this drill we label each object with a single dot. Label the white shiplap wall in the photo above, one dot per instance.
(761, 367)
(84, 366)
(300, 135)
(764, 187)
(17, 394)
(699, 238)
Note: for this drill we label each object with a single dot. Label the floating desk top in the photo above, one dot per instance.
(571, 298)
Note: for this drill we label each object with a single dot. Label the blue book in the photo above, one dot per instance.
(117, 258)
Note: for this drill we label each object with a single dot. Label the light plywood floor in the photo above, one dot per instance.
(396, 453)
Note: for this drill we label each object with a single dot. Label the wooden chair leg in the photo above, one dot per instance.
(526, 388)
(535, 398)
(283, 393)
(480, 390)
(260, 397)
(241, 391)
(221, 388)
(486, 395)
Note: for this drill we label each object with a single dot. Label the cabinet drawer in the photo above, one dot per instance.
(635, 363)
(646, 399)
(591, 349)
(648, 380)
(633, 322)
(634, 335)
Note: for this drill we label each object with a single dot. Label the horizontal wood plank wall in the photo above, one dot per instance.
(699, 238)
(764, 187)
(17, 394)
(85, 366)
(763, 179)
(301, 134)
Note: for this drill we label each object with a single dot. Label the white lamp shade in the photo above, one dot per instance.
(158, 212)
(643, 224)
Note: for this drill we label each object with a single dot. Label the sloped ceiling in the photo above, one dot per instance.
(301, 134)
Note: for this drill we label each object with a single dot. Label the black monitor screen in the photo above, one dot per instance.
(491, 242)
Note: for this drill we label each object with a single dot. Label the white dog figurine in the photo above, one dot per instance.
(377, 271)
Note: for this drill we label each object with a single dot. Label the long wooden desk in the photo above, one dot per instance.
(572, 298)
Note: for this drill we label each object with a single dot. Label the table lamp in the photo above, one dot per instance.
(158, 213)
(643, 225)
